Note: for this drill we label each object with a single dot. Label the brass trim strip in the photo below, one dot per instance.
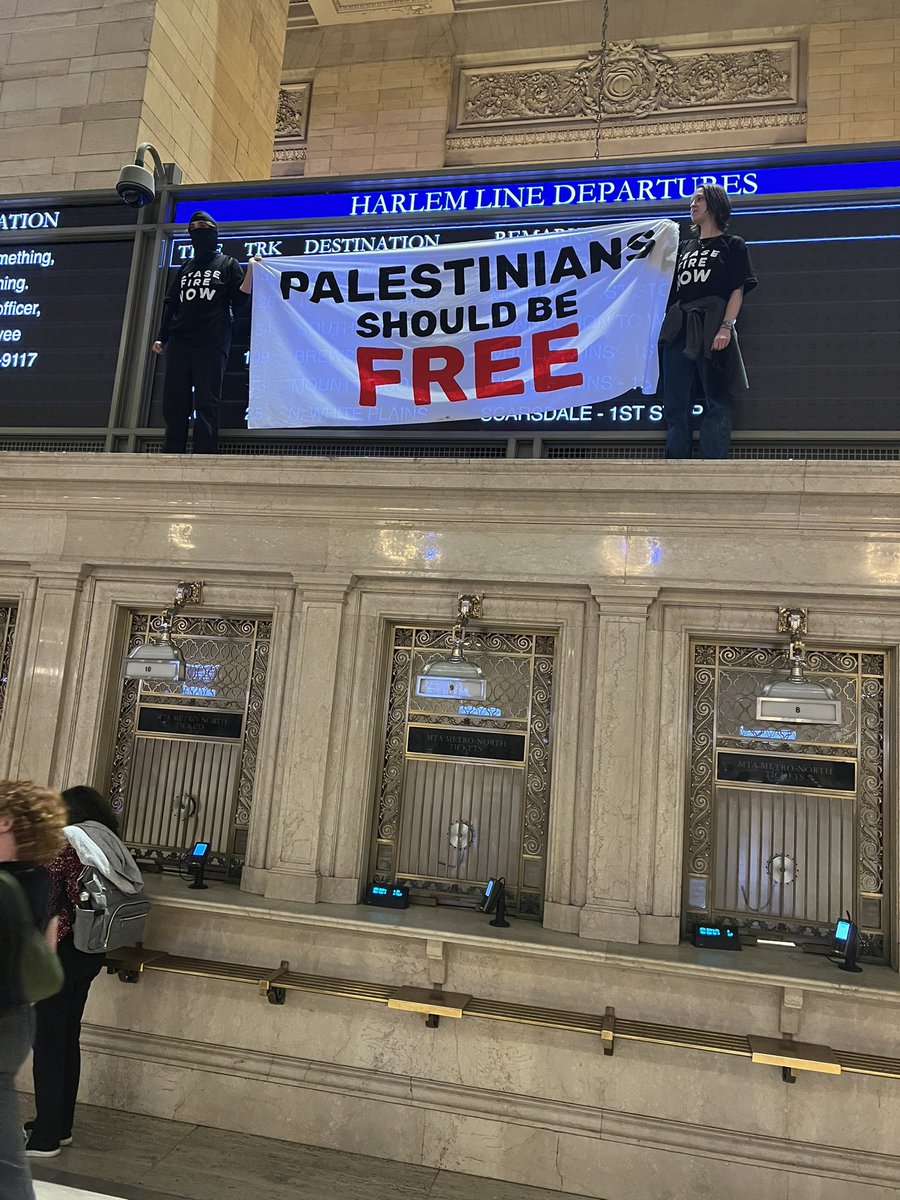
(689, 1039)
(607, 1027)
(526, 1014)
(431, 1002)
(794, 1056)
(867, 1064)
(233, 972)
(351, 989)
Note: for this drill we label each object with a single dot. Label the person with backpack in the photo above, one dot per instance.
(31, 823)
(97, 896)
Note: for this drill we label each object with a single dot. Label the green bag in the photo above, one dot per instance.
(29, 969)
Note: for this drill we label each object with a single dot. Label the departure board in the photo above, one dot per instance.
(820, 336)
(61, 307)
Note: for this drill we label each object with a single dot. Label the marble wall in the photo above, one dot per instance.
(523, 1103)
(626, 562)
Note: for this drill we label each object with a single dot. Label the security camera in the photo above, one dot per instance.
(136, 185)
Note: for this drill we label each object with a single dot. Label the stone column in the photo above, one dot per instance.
(84, 84)
(309, 700)
(50, 652)
(614, 886)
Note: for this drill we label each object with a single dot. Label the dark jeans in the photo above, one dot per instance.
(193, 384)
(57, 1050)
(681, 379)
(15, 1039)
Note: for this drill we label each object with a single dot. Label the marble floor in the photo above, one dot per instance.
(61, 1191)
(116, 1154)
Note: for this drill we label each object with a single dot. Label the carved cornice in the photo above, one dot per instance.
(405, 8)
(698, 89)
(654, 129)
(334, 12)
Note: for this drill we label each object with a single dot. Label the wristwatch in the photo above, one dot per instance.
(728, 324)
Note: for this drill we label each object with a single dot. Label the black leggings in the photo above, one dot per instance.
(57, 1049)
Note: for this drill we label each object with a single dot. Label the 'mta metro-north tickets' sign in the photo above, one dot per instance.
(473, 331)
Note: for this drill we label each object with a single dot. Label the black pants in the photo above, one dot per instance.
(57, 1049)
(15, 1037)
(193, 384)
(680, 379)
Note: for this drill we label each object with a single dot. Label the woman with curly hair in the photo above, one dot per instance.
(31, 824)
(57, 1039)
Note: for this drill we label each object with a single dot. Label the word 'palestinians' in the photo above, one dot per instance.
(461, 276)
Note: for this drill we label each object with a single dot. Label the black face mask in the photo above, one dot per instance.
(204, 242)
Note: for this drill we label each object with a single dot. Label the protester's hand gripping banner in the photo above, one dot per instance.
(461, 332)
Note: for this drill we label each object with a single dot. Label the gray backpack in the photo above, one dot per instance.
(106, 918)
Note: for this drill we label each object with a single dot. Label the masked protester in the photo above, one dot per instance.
(196, 336)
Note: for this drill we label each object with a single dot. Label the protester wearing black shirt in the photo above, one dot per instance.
(196, 337)
(700, 350)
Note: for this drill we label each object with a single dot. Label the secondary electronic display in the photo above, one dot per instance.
(61, 306)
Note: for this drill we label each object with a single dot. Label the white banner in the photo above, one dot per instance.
(459, 332)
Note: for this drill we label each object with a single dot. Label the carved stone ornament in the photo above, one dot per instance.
(406, 8)
(293, 111)
(637, 81)
(654, 129)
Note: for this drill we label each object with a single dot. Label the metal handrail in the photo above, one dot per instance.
(274, 983)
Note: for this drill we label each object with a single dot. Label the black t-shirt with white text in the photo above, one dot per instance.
(198, 306)
(713, 267)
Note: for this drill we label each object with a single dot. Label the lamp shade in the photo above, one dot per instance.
(798, 702)
(158, 660)
(450, 679)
